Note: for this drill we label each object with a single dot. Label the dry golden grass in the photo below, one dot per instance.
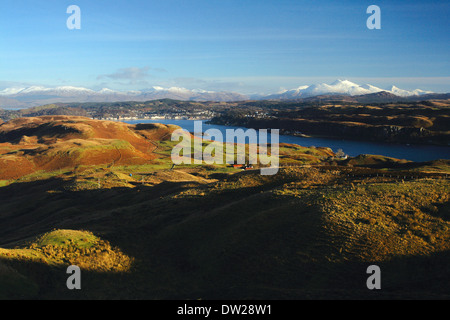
(70, 247)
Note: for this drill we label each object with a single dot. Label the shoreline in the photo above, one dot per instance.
(306, 136)
(412, 152)
(318, 136)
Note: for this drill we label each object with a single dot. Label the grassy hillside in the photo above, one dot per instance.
(301, 234)
(51, 143)
(146, 231)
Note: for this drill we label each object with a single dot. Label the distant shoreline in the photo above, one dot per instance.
(413, 152)
(297, 135)
(165, 119)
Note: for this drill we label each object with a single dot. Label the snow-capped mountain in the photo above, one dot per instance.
(38, 95)
(341, 87)
(38, 90)
(406, 93)
(178, 93)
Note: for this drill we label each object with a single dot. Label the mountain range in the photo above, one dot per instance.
(38, 95)
(341, 87)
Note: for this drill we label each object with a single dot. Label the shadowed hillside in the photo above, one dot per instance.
(213, 232)
(301, 234)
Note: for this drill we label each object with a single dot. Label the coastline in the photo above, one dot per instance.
(297, 135)
(344, 138)
(412, 152)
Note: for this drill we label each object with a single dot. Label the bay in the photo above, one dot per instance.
(418, 153)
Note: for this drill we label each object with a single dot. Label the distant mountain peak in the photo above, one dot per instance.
(39, 95)
(341, 87)
(343, 82)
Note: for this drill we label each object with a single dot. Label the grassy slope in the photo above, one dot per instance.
(216, 232)
(54, 143)
(301, 234)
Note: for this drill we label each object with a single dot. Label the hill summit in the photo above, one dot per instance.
(28, 145)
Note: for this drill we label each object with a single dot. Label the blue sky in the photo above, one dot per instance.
(245, 46)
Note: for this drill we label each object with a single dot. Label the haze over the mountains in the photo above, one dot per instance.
(38, 95)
